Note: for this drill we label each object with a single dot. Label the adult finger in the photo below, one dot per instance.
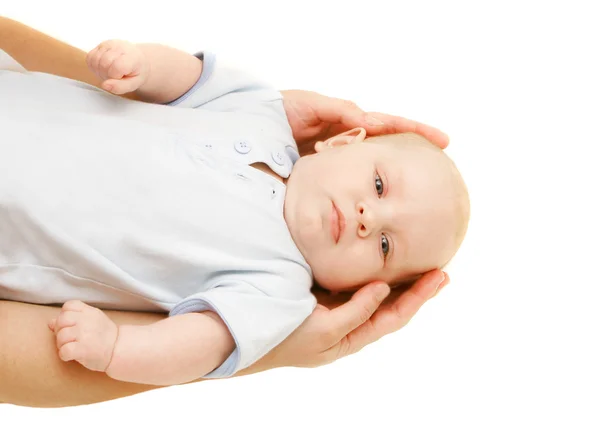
(338, 111)
(347, 115)
(357, 310)
(393, 317)
(393, 124)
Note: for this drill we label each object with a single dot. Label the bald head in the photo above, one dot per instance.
(452, 207)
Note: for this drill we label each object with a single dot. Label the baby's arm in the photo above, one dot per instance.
(174, 350)
(158, 73)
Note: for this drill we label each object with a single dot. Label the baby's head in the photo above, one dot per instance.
(386, 208)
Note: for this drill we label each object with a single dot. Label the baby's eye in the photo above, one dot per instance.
(378, 185)
(385, 245)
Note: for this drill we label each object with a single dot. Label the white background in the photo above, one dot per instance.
(508, 351)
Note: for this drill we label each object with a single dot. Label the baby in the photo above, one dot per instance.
(201, 208)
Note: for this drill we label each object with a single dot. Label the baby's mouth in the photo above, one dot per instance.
(338, 222)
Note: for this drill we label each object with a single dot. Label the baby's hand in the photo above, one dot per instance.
(122, 65)
(85, 334)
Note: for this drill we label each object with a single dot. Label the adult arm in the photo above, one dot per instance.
(37, 51)
(32, 374)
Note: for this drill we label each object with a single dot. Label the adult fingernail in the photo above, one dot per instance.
(382, 290)
(442, 280)
(446, 280)
(372, 121)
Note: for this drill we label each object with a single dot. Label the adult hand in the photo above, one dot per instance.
(329, 334)
(314, 117)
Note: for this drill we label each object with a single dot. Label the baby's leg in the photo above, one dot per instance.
(31, 374)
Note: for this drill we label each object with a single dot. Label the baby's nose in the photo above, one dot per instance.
(366, 220)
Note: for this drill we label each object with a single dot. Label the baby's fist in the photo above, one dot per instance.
(84, 334)
(121, 64)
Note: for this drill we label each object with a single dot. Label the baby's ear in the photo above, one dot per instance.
(355, 135)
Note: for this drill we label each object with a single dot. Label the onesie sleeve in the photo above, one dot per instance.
(258, 322)
(224, 87)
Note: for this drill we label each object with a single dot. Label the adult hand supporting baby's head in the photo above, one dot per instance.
(315, 117)
(330, 334)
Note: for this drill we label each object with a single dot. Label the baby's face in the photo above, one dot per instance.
(370, 211)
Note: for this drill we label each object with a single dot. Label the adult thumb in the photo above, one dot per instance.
(349, 316)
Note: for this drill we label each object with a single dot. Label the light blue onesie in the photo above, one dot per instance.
(135, 206)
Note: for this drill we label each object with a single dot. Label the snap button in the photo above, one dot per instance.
(292, 152)
(278, 157)
(242, 147)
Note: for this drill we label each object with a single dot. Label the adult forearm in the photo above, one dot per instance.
(32, 374)
(37, 51)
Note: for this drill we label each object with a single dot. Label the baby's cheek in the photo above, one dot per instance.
(327, 274)
(337, 277)
(345, 266)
